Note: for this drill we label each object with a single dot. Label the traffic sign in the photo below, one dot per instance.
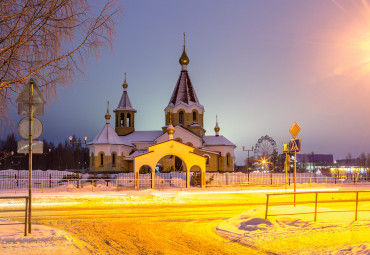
(294, 130)
(38, 100)
(24, 128)
(285, 148)
(23, 147)
(295, 145)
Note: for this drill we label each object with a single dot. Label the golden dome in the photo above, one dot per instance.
(107, 116)
(184, 60)
(217, 129)
(170, 129)
(125, 83)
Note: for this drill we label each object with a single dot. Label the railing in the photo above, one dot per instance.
(25, 213)
(116, 184)
(277, 181)
(316, 202)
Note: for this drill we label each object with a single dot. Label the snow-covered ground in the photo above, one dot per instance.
(334, 233)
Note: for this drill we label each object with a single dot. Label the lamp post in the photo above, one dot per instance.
(78, 149)
(248, 159)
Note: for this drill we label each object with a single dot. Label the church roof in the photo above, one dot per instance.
(124, 103)
(216, 140)
(106, 136)
(184, 91)
(140, 136)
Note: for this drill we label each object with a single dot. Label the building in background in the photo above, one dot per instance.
(118, 149)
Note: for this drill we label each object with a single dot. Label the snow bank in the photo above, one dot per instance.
(43, 240)
(335, 233)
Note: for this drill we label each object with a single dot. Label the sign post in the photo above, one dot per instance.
(286, 162)
(294, 147)
(29, 96)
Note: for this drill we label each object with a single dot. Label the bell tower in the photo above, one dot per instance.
(184, 104)
(125, 114)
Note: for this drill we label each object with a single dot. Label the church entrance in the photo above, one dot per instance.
(170, 171)
(170, 162)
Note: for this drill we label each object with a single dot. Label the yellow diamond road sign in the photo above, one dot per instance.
(294, 130)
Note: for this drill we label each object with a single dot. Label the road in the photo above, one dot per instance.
(180, 228)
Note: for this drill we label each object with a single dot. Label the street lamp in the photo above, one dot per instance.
(78, 148)
(248, 159)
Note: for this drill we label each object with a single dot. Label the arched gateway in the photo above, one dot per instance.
(171, 147)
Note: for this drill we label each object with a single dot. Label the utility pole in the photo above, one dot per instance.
(248, 160)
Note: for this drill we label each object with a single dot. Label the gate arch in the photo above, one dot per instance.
(171, 147)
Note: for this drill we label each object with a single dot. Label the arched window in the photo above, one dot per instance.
(101, 159)
(228, 159)
(128, 119)
(179, 140)
(207, 160)
(122, 120)
(194, 116)
(181, 117)
(113, 159)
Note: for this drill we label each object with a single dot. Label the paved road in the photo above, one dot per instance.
(161, 229)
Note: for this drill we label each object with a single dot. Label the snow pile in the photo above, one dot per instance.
(43, 239)
(334, 233)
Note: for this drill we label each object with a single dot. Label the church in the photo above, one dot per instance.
(180, 145)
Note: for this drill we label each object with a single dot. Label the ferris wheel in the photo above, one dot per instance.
(265, 147)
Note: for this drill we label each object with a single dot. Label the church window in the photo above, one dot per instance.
(181, 117)
(128, 116)
(194, 116)
(101, 159)
(122, 120)
(207, 159)
(228, 159)
(113, 159)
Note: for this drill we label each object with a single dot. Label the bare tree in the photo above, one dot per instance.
(49, 40)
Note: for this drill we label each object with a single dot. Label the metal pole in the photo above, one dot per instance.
(267, 205)
(356, 205)
(248, 166)
(26, 217)
(316, 206)
(30, 158)
(295, 175)
(286, 170)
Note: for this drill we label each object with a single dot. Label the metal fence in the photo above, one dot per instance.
(316, 201)
(16, 180)
(238, 178)
(18, 210)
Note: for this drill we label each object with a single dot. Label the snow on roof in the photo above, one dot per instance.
(124, 103)
(216, 140)
(140, 136)
(184, 91)
(106, 136)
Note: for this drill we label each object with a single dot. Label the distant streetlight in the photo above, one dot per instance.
(78, 149)
(248, 160)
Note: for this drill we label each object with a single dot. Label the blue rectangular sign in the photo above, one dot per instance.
(295, 145)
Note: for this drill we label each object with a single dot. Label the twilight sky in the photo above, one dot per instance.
(258, 65)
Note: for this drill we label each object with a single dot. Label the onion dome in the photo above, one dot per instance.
(217, 128)
(125, 83)
(107, 115)
(170, 129)
(184, 60)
